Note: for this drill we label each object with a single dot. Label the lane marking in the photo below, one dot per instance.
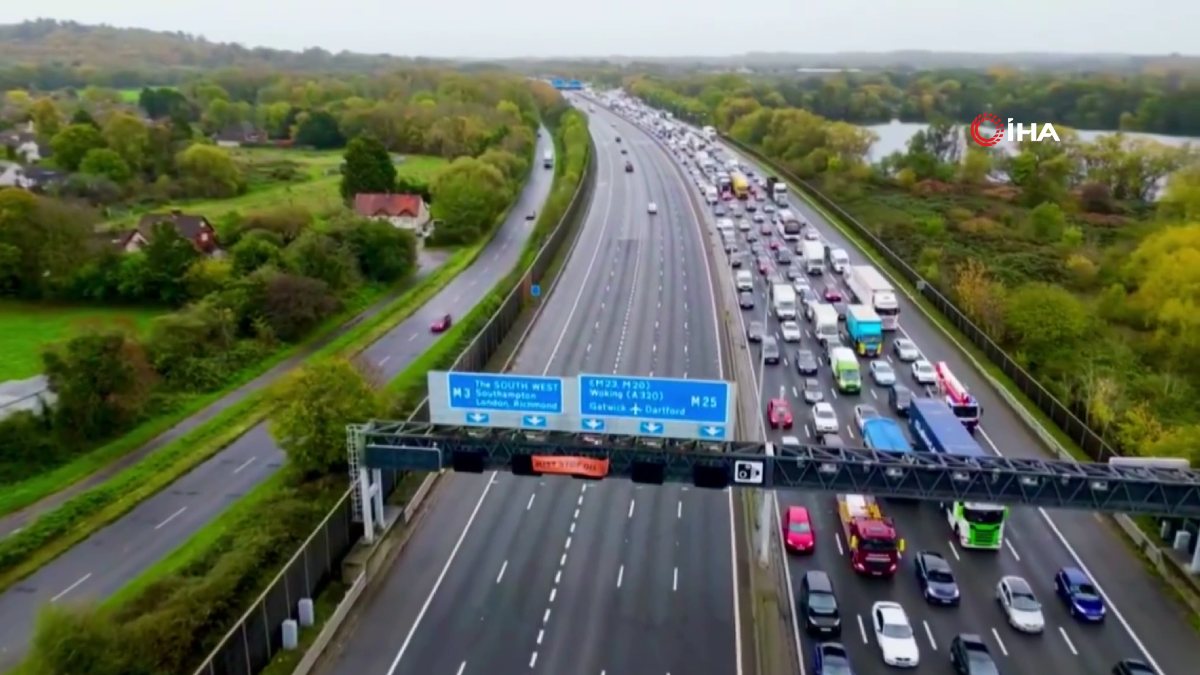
(461, 668)
(553, 594)
(1012, 550)
(862, 629)
(501, 574)
(533, 660)
(630, 508)
(384, 360)
(1063, 633)
(568, 544)
(620, 575)
(546, 616)
(245, 464)
(675, 580)
(530, 504)
(954, 550)
(1003, 649)
(679, 510)
(72, 587)
(541, 635)
(929, 634)
(412, 337)
(171, 517)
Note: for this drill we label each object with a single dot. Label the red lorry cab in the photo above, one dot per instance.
(871, 540)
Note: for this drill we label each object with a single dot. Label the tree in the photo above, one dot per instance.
(107, 163)
(254, 251)
(468, 196)
(72, 143)
(980, 297)
(102, 381)
(82, 116)
(181, 341)
(209, 171)
(319, 256)
(368, 168)
(314, 404)
(293, 305)
(168, 257)
(46, 117)
(1048, 222)
(1042, 171)
(385, 253)
(1049, 327)
(1182, 196)
(319, 129)
(129, 138)
(45, 242)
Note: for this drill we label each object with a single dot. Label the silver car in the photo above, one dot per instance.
(923, 372)
(1020, 605)
(882, 373)
(906, 350)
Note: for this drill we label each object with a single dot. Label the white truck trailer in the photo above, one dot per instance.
(873, 290)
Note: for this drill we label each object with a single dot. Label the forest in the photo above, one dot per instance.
(1069, 254)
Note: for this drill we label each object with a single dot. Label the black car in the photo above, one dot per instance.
(628, 167)
(812, 391)
(783, 256)
(819, 605)
(899, 398)
(806, 362)
(735, 258)
(970, 656)
(624, 151)
(770, 350)
(936, 579)
(755, 331)
(746, 300)
(1133, 667)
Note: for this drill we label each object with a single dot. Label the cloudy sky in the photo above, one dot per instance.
(491, 28)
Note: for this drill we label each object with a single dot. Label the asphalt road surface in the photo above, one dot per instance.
(1142, 621)
(509, 574)
(104, 562)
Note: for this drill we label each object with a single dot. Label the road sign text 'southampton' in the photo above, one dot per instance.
(600, 404)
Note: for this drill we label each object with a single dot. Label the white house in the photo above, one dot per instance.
(404, 211)
(24, 145)
(13, 175)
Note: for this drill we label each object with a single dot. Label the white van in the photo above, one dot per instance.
(710, 194)
(838, 260)
(744, 280)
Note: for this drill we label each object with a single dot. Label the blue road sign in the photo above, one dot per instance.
(535, 290)
(478, 418)
(656, 399)
(651, 428)
(591, 424)
(534, 421)
(712, 431)
(505, 393)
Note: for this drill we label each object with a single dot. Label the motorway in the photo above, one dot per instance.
(507, 574)
(106, 561)
(1142, 621)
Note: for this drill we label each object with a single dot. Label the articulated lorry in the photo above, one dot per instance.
(777, 190)
(871, 540)
(886, 435)
(865, 330)
(871, 289)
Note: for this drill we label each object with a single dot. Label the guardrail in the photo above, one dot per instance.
(251, 644)
(1070, 419)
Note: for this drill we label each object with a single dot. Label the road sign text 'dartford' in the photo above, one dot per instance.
(505, 393)
(702, 401)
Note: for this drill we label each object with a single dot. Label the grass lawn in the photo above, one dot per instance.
(131, 95)
(26, 327)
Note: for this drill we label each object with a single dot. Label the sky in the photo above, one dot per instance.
(545, 28)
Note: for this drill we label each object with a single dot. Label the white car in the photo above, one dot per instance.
(652, 208)
(882, 373)
(790, 331)
(862, 413)
(743, 225)
(894, 633)
(811, 235)
(906, 350)
(923, 373)
(790, 442)
(825, 419)
(1020, 605)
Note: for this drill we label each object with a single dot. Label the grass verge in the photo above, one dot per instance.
(26, 327)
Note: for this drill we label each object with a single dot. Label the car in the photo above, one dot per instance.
(894, 635)
(818, 604)
(743, 225)
(765, 229)
(624, 151)
(618, 137)
(864, 412)
(719, 210)
(775, 245)
(1133, 667)
(936, 579)
(746, 300)
(770, 350)
(832, 293)
(923, 373)
(758, 218)
(755, 330)
(790, 442)
(810, 235)
(1019, 604)
(1081, 596)
(652, 208)
(532, 215)
(758, 249)
(790, 331)
(805, 295)
(751, 206)
(812, 391)
(806, 362)
(764, 264)
(831, 658)
(794, 272)
(831, 441)
(441, 324)
(882, 373)
(899, 399)
(906, 350)
(825, 419)
(735, 257)
(783, 256)
(779, 413)
(751, 236)
(840, 307)
(970, 656)
(769, 208)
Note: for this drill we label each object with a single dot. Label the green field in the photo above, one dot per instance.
(131, 95)
(26, 327)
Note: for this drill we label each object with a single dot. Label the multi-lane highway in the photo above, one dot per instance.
(1142, 622)
(104, 562)
(507, 574)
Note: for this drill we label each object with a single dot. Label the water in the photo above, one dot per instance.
(894, 137)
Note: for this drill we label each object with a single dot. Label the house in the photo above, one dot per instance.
(13, 175)
(41, 179)
(404, 211)
(237, 135)
(24, 146)
(195, 229)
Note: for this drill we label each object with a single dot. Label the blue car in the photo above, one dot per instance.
(1081, 595)
(830, 658)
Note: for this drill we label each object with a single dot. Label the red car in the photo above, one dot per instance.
(765, 229)
(764, 264)
(775, 244)
(779, 413)
(832, 294)
(797, 531)
(441, 324)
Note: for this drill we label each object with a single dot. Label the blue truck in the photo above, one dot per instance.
(935, 428)
(885, 435)
(865, 329)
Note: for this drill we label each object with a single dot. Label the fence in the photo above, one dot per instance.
(251, 644)
(1068, 418)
